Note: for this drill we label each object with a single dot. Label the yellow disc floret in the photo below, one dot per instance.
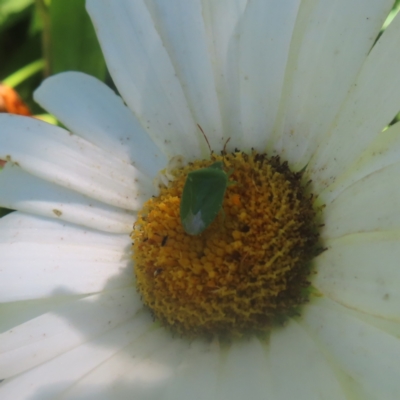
(248, 270)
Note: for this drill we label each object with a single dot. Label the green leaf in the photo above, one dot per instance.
(202, 197)
(24, 73)
(73, 43)
(12, 11)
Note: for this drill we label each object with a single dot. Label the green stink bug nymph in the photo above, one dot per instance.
(202, 197)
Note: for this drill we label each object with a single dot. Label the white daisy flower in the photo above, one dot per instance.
(302, 80)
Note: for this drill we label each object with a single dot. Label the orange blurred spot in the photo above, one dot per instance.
(10, 102)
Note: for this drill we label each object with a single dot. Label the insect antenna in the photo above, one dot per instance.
(224, 150)
(205, 137)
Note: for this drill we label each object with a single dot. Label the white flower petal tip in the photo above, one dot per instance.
(27, 193)
(93, 111)
(53, 154)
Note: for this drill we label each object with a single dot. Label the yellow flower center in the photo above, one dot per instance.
(247, 271)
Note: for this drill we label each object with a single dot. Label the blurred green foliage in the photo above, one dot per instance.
(74, 44)
(39, 38)
(13, 10)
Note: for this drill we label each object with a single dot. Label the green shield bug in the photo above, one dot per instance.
(202, 197)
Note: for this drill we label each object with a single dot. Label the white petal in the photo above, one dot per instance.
(369, 355)
(181, 28)
(25, 228)
(265, 35)
(57, 375)
(142, 370)
(371, 104)
(330, 43)
(89, 108)
(299, 368)
(25, 192)
(362, 272)
(197, 374)
(371, 204)
(383, 151)
(18, 312)
(144, 75)
(53, 154)
(221, 19)
(44, 258)
(389, 326)
(245, 373)
(69, 325)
